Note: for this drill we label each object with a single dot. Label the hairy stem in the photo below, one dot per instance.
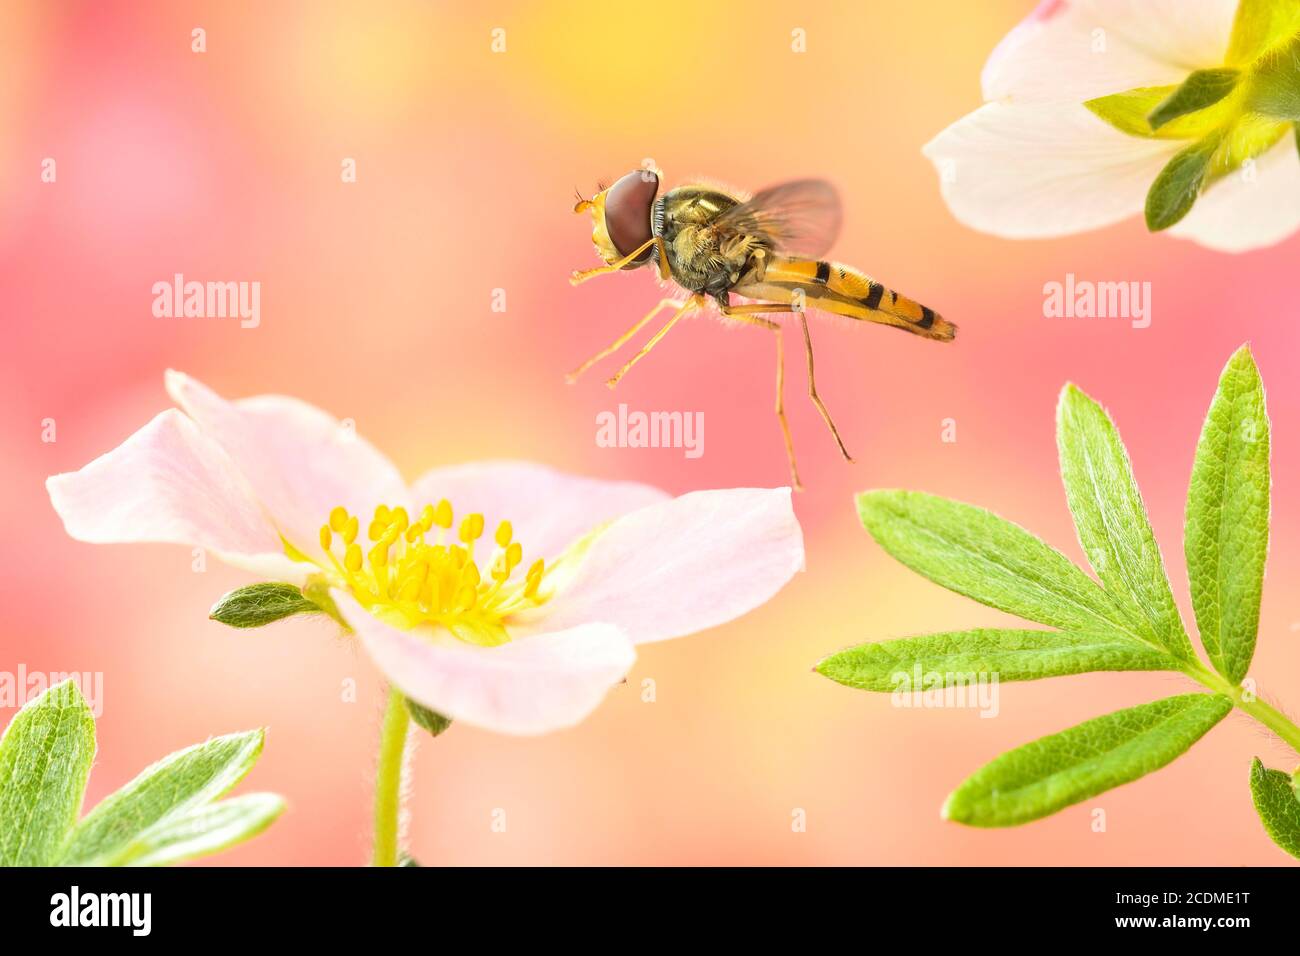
(388, 779)
(1269, 716)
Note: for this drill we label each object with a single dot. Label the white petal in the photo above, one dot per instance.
(1191, 34)
(540, 683)
(170, 483)
(299, 461)
(684, 565)
(1027, 172)
(1068, 51)
(548, 508)
(1242, 212)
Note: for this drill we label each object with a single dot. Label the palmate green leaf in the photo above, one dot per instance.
(1226, 538)
(956, 657)
(1053, 772)
(201, 830)
(1111, 521)
(263, 603)
(987, 558)
(1278, 804)
(171, 788)
(1201, 89)
(45, 758)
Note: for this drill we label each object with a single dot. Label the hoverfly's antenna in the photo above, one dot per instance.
(583, 203)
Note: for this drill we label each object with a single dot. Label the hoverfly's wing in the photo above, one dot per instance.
(800, 216)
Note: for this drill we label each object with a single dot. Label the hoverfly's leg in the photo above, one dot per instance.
(745, 313)
(764, 307)
(578, 277)
(694, 302)
(622, 339)
(812, 389)
(665, 271)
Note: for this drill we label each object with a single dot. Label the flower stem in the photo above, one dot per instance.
(388, 779)
(1269, 716)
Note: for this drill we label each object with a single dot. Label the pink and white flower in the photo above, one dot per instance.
(1034, 162)
(453, 612)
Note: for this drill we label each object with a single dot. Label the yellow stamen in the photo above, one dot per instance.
(471, 529)
(338, 518)
(411, 582)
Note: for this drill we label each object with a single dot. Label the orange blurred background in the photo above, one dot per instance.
(377, 305)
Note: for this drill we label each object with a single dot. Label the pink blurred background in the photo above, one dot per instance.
(376, 304)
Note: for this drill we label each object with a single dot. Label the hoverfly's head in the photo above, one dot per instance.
(621, 217)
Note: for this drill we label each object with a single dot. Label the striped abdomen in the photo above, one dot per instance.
(833, 287)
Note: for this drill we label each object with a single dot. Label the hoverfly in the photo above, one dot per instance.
(715, 244)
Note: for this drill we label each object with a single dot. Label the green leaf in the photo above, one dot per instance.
(960, 657)
(1226, 538)
(1202, 89)
(260, 604)
(430, 720)
(1179, 184)
(1053, 772)
(1278, 805)
(1260, 25)
(1111, 520)
(171, 788)
(45, 758)
(201, 830)
(986, 558)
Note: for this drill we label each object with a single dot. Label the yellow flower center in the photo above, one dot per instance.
(409, 580)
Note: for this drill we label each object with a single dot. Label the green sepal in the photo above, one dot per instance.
(1260, 25)
(1130, 112)
(260, 604)
(1275, 90)
(317, 590)
(1179, 185)
(1202, 89)
(430, 720)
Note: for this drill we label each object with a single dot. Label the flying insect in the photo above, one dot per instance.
(714, 243)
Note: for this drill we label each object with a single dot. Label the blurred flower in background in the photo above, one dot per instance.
(1097, 110)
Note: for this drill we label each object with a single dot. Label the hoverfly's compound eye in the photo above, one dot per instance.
(627, 213)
